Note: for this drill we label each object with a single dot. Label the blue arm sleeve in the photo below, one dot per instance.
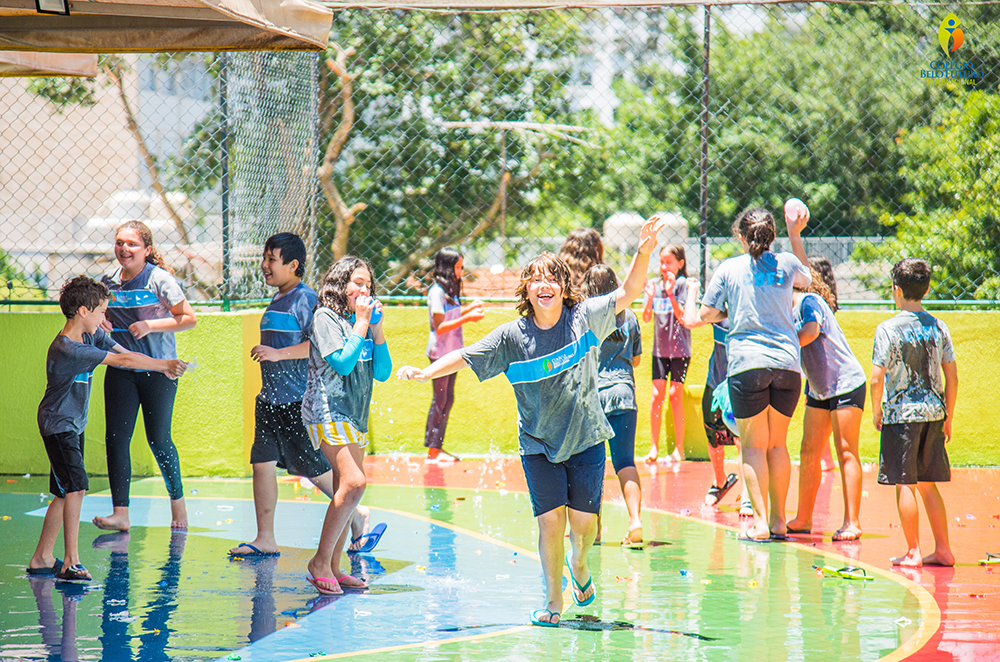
(344, 359)
(382, 369)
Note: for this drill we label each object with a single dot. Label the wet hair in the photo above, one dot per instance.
(545, 263)
(601, 279)
(332, 292)
(146, 235)
(444, 272)
(756, 227)
(819, 286)
(825, 269)
(291, 248)
(582, 249)
(913, 277)
(678, 252)
(81, 291)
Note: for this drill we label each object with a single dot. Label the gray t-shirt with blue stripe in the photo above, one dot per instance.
(554, 375)
(286, 322)
(150, 295)
(69, 373)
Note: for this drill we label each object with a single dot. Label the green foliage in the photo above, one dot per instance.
(950, 167)
(64, 91)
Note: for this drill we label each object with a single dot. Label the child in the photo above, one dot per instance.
(280, 438)
(620, 353)
(671, 347)
(346, 353)
(582, 249)
(147, 308)
(911, 351)
(754, 291)
(550, 358)
(719, 436)
(447, 315)
(835, 400)
(80, 347)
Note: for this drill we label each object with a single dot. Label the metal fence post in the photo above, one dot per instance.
(703, 162)
(224, 164)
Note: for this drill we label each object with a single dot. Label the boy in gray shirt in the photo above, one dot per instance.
(911, 351)
(550, 357)
(80, 347)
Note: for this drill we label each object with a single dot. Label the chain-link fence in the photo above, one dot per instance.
(499, 132)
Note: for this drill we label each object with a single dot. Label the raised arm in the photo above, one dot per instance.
(631, 288)
(795, 227)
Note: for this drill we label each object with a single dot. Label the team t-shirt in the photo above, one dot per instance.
(718, 363)
(286, 322)
(330, 396)
(912, 347)
(150, 295)
(554, 375)
(671, 339)
(438, 302)
(615, 377)
(828, 363)
(69, 373)
(757, 296)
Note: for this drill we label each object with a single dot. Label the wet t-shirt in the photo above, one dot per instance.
(554, 375)
(286, 322)
(438, 302)
(757, 296)
(671, 339)
(150, 295)
(615, 377)
(912, 347)
(69, 373)
(828, 363)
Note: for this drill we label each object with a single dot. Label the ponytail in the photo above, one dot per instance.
(756, 227)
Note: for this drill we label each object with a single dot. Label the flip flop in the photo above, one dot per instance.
(628, 542)
(323, 591)
(746, 509)
(536, 620)
(774, 537)
(370, 540)
(75, 573)
(581, 589)
(991, 559)
(800, 532)
(845, 535)
(45, 572)
(255, 554)
(847, 572)
(345, 587)
(719, 493)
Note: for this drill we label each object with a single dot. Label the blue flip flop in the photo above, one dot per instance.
(370, 540)
(535, 620)
(255, 554)
(581, 589)
(45, 572)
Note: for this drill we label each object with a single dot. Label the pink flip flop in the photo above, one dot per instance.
(315, 581)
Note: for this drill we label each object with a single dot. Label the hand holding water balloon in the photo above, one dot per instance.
(796, 215)
(409, 373)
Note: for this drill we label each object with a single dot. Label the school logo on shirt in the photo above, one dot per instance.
(542, 367)
(547, 366)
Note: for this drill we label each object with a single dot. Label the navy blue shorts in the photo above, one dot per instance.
(65, 451)
(622, 445)
(751, 391)
(855, 398)
(279, 436)
(578, 482)
(912, 453)
(674, 370)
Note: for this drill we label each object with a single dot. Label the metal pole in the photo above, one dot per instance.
(703, 165)
(224, 162)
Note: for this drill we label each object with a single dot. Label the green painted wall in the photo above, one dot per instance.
(213, 418)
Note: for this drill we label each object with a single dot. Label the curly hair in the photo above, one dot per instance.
(81, 291)
(582, 249)
(332, 292)
(756, 227)
(825, 269)
(146, 235)
(819, 286)
(546, 263)
(444, 273)
(601, 279)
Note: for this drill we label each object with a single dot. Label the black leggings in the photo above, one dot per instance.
(437, 417)
(124, 392)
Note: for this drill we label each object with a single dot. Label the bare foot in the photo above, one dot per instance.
(945, 558)
(676, 456)
(910, 560)
(39, 562)
(651, 458)
(757, 533)
(847, 533)
(360, 522)
(322, 577)
(799, 526)
(116, 522)
(349, 581)
(178, 515)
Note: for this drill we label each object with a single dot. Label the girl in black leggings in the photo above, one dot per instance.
(146, 309)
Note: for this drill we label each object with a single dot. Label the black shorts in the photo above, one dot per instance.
(855, 398)
(578, 482)
(65, 451)
(715, 428)
(751, 391)
(279, 436)
(913, 453)
(674, 370)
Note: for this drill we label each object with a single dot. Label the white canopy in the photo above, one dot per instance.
(48, 64)
(150, 26)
